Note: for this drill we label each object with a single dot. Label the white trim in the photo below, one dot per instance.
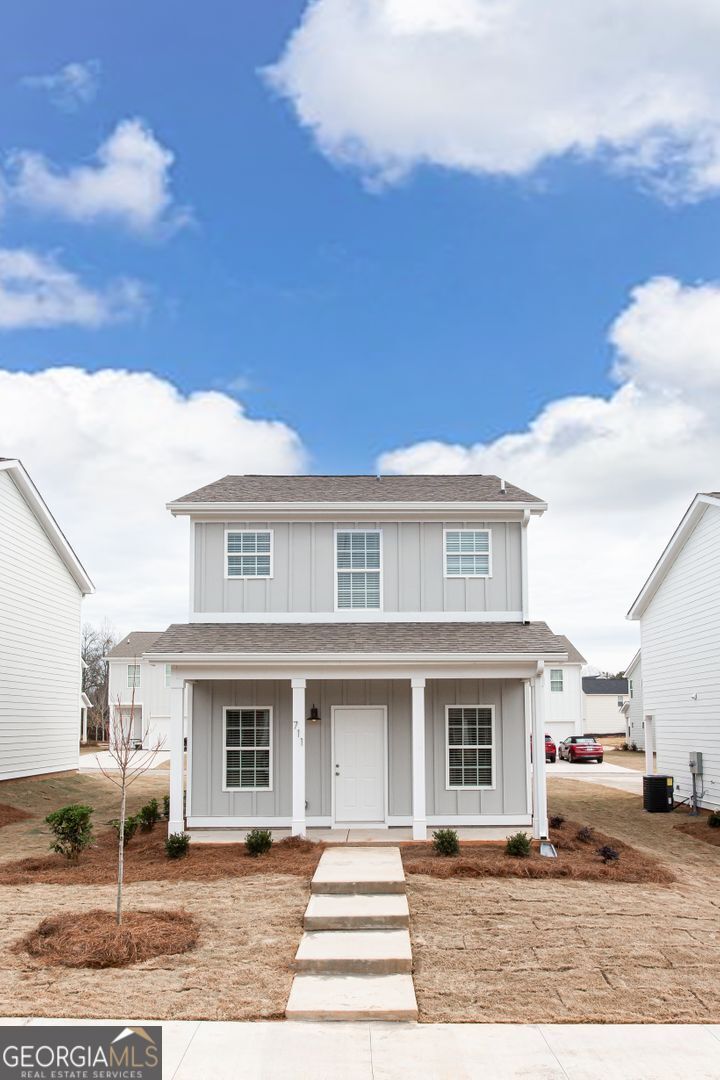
(463, 529)
(675, 545)
(188, 694)
(334, 709)
(238, 790)
(253, 532)
(355, 511)
(192, 571)
(352, 615)
(403, 821)
(345, 570)
(470, 787)
(524, 586)
(632, 665)
(54, 533)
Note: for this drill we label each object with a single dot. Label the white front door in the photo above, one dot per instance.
(359, 764)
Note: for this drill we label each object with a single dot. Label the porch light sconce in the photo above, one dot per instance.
(314, 714)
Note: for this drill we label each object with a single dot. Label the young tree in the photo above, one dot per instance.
(129, 763)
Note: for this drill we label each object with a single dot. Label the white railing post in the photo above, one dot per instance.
(419, 825)
(176, 822)
(298, 757)
(540, 813)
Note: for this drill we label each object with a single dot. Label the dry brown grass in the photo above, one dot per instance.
(92, 939)
(10, 815)
(576, 861)
(698, 827)
(145, 860)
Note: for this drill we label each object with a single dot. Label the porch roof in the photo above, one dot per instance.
(532, 640)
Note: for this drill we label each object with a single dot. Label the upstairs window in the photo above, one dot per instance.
(556, 680)
(467, 553)
(133, 676)
(357, 565)
(631, 688)
(248, 554)
(248, 749)
(168, 674)
(470, 751)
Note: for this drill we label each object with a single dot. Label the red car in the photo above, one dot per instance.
(550, 749)
(581, 748)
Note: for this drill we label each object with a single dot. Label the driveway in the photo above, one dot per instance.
(616, 776)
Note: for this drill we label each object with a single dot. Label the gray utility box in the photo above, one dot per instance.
(696, 762)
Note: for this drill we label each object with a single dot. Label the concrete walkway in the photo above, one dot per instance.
(205, 1050)
(607, 773)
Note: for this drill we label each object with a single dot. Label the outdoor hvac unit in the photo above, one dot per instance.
(658, 794)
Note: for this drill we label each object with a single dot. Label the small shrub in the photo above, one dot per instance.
(445, 842)
(149, 815)
(176, 845)
(518, 845)
(258, 841)
(131, 826)
(166, 806)
(634, 746)
(71, 828)
(557, 821)
(585, 834)
(625, 746)
(608, 854)
(714, 819)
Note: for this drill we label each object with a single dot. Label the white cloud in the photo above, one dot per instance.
(36, 291)
(499, 86)
(129, 182)
(617, 472)
(72, 86)
(108, 450)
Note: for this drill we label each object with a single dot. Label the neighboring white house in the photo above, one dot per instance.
(360, 654)
(140, 690)
(563, 695)
(603, 700)
(42, 583)
(633, 707)
(678, 609)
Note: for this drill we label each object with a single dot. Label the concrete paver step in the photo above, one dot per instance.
(357, 911)
(352, 997)
(359, 870)
(354, 952)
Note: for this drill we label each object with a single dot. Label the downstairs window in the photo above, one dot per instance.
(470, 749)
(248, 749)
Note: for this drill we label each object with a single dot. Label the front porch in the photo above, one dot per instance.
(392, 834)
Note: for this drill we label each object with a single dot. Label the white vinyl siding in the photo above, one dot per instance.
(133, 676)
(556, 680)
(248, 554)
(358, 569)
(467, 553)
(470, 746)
(248, 749)
(39, 646)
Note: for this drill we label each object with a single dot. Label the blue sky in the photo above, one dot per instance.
(430, 227)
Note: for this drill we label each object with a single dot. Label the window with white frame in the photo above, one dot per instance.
(357, 565)
(467, 553)
(631, 688)
(168, 675)
(133, 676)
(248, 749)
(556, 680)
(248, 554)
(469, 739)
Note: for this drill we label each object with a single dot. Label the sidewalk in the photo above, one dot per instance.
(204, 1050)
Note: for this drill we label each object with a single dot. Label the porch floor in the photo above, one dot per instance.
(391, 835)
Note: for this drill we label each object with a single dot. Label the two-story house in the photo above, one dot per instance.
(360, 655)
(564, 696)
(139, 692)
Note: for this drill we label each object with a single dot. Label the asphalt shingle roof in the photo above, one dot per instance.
(258, 488)
(135, 644)
(215, 638)
(593, 684)
(574, 656)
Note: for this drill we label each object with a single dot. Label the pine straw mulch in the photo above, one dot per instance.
(9, 815)
(577, 861)
(698, 827)
(145, 860)
(92, 939)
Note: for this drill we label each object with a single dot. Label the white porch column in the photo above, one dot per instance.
(298, 757)
(83, 730)
(649, 745)
(540, 814)
(419, 826)
(176, 822)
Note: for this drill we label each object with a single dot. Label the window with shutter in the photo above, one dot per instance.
(556, 680)
(248, 554)
(467, 553)
(248, 749)
(358, 568)
(470, 746)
